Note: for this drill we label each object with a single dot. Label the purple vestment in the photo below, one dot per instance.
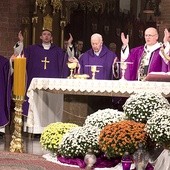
(156, 63)
(5, 91)
(105, 59)
(55, 67)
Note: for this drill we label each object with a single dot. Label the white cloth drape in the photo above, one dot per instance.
(44, 109)
(163, 161)
(44, 104)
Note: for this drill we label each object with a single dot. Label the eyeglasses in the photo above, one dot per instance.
(149, 35)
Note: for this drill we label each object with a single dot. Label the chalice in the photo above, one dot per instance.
(123, 67)
(71, 66)
(94, 70)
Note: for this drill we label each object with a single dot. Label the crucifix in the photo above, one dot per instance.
(45, 61)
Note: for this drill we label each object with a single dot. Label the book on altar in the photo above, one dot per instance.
(158, 76)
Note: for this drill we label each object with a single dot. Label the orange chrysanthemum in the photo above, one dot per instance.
(124, 136)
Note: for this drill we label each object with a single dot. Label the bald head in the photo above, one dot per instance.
(151, 36)
(96, 42)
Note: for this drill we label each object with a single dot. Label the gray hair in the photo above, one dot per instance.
(96, 35)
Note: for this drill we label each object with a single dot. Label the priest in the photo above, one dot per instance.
(100, 56)
(44, 60)
(146, 58)
(5, 91)
(103, 59)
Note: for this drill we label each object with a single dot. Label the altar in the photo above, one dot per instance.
(75, 109)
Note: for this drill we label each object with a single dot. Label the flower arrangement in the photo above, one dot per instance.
(77, 142)
(53, 134)
(103, 117)
(140, 107)
(124, 136)
(158, 127)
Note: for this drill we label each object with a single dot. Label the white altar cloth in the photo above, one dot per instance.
(97, 87)
(85, 87)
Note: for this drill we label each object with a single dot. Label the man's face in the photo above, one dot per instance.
(80, 45)
(151, 36)
(46, 37)
(96, 44)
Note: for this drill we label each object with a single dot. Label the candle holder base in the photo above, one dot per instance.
(16, 144)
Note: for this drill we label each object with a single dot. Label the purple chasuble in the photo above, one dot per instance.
(105, 59)
(5, 91)
(54, 66)
(156, 63)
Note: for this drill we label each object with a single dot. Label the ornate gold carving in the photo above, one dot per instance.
(16, 144)
(42, 4)
(34, 22)
(25, 20)
(62, 25)
(57, 5)
(47, 22)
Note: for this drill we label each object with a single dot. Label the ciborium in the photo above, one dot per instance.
(71, 66)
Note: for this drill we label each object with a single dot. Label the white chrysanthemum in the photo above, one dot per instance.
(104, 117)
(158, 126)
(140, 107)
(77, 142)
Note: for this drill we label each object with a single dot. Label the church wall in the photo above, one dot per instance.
(164, 19)
(11, 14)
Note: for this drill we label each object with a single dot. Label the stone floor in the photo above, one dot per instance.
(31, 145)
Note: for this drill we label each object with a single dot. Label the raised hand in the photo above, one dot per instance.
(70, 40)
(125, 40)
(72, 60)
(166, 36)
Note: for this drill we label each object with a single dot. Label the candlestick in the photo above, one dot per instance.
(19, 76)
(16, 144)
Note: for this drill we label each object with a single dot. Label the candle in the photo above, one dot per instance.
(19, 76)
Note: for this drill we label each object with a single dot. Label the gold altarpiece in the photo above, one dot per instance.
(44, 14)
(82, 18)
